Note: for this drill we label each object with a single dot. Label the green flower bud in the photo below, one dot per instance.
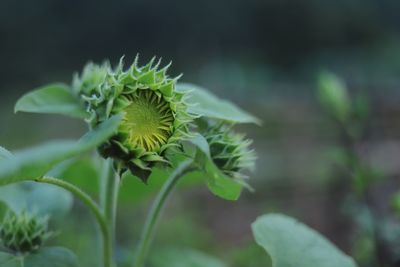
(155, 117)
(334, 96)
(229, 150)
(91, 79)
(23, 233)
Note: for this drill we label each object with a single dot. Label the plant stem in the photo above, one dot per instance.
(109, 199)
(86, 199)
(156, 209)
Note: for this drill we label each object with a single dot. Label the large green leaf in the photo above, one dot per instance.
(184, 257)
(4, 153)
(53, 99)
(218, 183)
(43, 199)
(9, 260)
(204, 103)
(35, 162)
(292, 244)
(45, 257)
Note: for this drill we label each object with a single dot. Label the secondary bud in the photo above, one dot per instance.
(23, 233)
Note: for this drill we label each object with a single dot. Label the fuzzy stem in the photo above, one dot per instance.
(86, 199)
(109, 199)
(156, 209)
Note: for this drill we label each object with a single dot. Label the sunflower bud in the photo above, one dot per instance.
(230, 151)
(23, 233)
(154, 113)
(92, 77)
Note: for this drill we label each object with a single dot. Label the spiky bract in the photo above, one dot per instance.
(229, 150)
(155, 116)
(23, 233)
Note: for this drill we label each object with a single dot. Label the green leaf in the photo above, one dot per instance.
(45, 257)
(52, 257)
(292, 244)
(201, 143)
(4, 153)
(43, 199)
(9, 260)
(53, 99)
(184, 257)
(218, 183)
(36, 162)
(202, 102)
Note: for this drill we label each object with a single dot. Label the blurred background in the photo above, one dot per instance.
(264, 55)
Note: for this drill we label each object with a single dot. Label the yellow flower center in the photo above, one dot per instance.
(149, 120)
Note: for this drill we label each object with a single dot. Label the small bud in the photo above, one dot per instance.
(23, 233)
(334, 97)
(92, 77)
(230, 151)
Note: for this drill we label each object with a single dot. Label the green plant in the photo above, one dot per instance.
(144, 124)
(358, 176)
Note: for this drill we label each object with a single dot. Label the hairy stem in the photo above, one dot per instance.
(109, 199)
(156, 209)
(86, 199)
